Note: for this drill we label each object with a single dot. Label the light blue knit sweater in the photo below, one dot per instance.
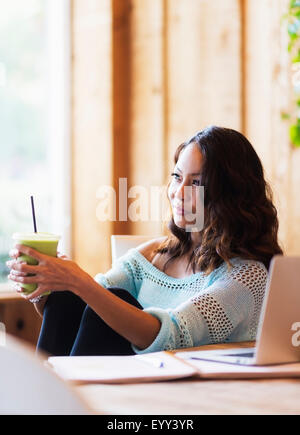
(196, 310)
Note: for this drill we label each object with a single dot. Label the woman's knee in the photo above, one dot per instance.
(92, 320)
(90, 317)
(64, 301)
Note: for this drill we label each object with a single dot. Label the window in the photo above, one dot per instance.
(34, 120)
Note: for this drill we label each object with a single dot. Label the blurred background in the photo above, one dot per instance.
(95, 90)
(32, 149)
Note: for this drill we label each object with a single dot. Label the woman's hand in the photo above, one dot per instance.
(51, 274)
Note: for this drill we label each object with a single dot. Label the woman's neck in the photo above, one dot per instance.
(196, 239)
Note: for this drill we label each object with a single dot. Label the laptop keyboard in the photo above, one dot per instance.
(245, 355)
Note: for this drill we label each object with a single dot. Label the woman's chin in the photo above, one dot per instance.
(180, 222)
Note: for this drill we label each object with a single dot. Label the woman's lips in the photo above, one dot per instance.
(179, 210)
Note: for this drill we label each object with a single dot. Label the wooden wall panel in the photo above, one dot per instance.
(203, 67)
(147, 163)
(92, 130)
(268, 93)
(121, 103)
(258, 79)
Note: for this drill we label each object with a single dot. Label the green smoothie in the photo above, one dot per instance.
(46, 243)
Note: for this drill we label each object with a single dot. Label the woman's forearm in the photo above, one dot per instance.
(137, 326)
(57, 274)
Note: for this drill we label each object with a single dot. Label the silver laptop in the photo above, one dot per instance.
(278, 335)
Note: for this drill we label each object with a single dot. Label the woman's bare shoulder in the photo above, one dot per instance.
(146, 248)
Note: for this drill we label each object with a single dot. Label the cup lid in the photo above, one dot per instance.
(35, 236)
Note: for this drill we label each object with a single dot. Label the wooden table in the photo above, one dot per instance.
(194, 396)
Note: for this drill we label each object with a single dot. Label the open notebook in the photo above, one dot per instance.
(158, 366)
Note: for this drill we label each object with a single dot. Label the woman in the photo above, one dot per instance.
(193, 287)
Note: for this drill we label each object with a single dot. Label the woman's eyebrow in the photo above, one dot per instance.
(197, 173)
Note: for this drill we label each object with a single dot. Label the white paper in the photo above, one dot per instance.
(132, 368)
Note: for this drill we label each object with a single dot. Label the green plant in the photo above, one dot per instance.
(293, 28)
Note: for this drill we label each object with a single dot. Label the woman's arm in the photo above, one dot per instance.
(39, 306)
(57, 274)
(226, 310)
(137, 326)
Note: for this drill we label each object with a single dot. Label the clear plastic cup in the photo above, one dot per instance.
(46, 243)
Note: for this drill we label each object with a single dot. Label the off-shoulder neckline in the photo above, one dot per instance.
(165, 276)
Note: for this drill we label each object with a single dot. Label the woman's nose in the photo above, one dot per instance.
(179, 192)
(183, 192)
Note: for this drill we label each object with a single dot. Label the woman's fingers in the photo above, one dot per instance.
(20, 270)
(15, 272)
(31, 252)
(31, 296)
(17, 287)
(24, 279)
(62, 256)
(10, 265)
(14, 253)
(22, 266)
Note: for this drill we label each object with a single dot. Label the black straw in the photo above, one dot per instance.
(33, 214)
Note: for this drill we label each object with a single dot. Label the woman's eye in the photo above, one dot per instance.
(176, 176)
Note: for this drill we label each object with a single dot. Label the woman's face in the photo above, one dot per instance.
(183, 191)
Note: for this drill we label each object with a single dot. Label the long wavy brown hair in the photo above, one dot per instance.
(240, 219)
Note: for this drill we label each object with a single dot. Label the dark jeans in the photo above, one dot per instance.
(71, 327)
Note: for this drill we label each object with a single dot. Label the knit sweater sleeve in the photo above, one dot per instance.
(121, 274)
(226, 311)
